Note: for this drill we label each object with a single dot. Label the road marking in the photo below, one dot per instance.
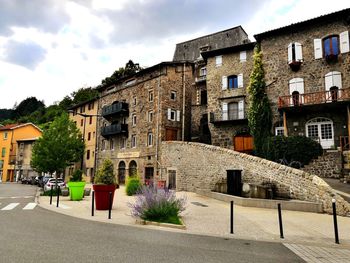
(29, 206)
(10, 206)
(64, 206)
(319, 254)
(15, 197)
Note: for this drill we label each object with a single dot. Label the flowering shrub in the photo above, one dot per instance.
(160, 205)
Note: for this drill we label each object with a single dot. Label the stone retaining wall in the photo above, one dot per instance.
(328, 165)
(200, 166)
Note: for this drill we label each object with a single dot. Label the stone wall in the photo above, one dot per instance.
(328, 165)
(200, 167)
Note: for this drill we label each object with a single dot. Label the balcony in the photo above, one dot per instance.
(314, 98)
(234, 117)
(115, 109)
(114, 129)
(201, 78)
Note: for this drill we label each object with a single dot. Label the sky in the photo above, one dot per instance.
(50, 48)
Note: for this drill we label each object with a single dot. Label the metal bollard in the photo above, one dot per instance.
(280, 220)
(335, 221)
(58, 196)
(51, 195)
(110, 205)
(231, 218)
(93, 204)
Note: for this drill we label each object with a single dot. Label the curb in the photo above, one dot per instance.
(146, 222)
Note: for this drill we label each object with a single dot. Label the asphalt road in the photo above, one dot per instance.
(39, 235)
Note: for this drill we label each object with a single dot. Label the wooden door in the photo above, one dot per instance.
(243, 143)
(170, 134)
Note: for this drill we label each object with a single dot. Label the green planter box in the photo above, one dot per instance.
(76, 190)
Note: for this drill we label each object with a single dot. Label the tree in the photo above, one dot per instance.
(61, 145)
(259, 113)
(28, 106)
(84, 94)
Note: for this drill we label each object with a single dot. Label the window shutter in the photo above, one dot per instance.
(318, 48)
(240, 80)
(337, 79)
(292, 86)
(243, 56)
(344, 42)
(290, 53)
(224, 111)
(169, 114)
(178, 116)
(241, 109)
(300, 85)
(328, 79)
(218, 60)
(224, 82)
(298, 52)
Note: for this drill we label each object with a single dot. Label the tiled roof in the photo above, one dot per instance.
(8, 126)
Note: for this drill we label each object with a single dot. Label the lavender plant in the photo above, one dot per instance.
(160, 205)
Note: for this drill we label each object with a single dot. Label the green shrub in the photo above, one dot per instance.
(133, 184)
(105, 175)
(293, 149)
(77, 176)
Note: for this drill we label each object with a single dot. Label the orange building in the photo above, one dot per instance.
(9, 135)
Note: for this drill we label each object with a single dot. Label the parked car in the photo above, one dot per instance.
(45, 179)
(38, 180)
(52, 182)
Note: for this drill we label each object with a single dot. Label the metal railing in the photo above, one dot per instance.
(314, 98)
(114, 129)
(116, 108)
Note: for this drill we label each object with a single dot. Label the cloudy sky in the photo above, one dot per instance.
(49, 48)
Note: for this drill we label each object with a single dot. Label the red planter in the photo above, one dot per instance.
(102, 195)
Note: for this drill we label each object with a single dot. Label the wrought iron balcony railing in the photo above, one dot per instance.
(114, 129)
(115, 109)
(314, 98)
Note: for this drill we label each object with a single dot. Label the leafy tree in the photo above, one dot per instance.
(259, 113)
(83, 94)
(60, 146)
(6, 114)
(66, 103)
(28, 106)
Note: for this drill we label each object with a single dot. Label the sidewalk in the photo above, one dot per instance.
(206, 216)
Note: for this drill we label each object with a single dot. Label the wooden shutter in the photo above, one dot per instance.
(337, 79)
(218, 60)
(224, 111)
(243, 56)
(299, 85)
(169, 114)
(224, 82)
(240, 80)
(344, 42)
(178, 116)
(290, 53)
(328, 80)
(318, 48)
(298, 52)
(241, 109)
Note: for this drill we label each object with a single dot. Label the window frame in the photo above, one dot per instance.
(133, 119)
(150, 96)
(133, 141)
(149, 139)
(173, 95)
(150, 116)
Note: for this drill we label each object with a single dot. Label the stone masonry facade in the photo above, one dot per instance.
(200, 167)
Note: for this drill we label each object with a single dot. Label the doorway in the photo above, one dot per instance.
(121, 173)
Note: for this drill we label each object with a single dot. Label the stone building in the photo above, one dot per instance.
(140, 111)
(85, 117)
(191, 50)
(228, 71)
(307, 67)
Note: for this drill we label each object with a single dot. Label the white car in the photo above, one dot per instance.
(52, 182)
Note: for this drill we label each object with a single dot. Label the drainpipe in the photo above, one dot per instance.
(157, 130)
(183, 102)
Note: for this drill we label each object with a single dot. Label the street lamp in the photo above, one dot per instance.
(85, 115)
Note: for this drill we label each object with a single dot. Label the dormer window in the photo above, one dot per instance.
(295, 56)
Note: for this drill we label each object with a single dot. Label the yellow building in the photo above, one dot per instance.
(85, 115)
(9, 135)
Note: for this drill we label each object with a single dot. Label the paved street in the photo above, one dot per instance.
(39, 235)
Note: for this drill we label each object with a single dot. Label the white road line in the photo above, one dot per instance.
(10, 206)
(29, 206)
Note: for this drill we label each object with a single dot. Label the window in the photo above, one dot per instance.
(133, 119)
(150, 96)
(295, 53)
(87, 154)
(81, 122)
(331, 46)
(174, 115)
(82, 109)
(89, 136)
(134, 101)
(111, 144)
(3, 152)
(279, 131)
(243, 56)
(218, 61)
(91, 106)
(296, 88)
(5, 135)
(204, 97)
(149, 139)
(133, 141)
(90, 120)
(103, 146)
(333, 79)
(232, 82)
(150, 116)
(123, 143)
(173, 95)
(130, 82)
(75, 112)
(203, 72)
(233, 110)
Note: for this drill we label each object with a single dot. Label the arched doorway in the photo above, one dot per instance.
(321, 130)
(121, 172)
(132, 168)
(295, 97)
(334, 93)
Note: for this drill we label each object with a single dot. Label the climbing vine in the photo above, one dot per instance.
(259, 113)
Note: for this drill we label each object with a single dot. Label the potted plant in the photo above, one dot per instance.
(76, 186)
(104, 183)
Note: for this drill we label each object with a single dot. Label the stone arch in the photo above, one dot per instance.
(132, 168)
(121, 172)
